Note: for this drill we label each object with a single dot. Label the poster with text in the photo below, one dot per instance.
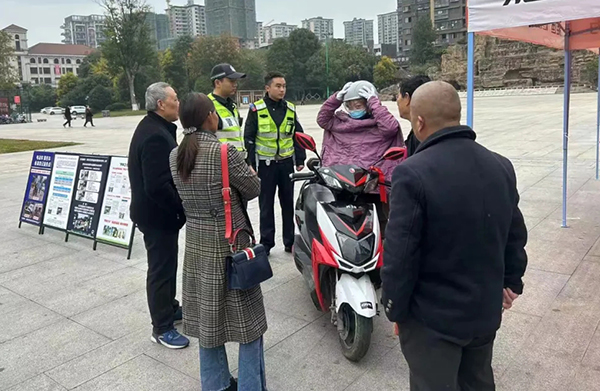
(60, 194)
(37, 187)
(85, 208)
(115, 225)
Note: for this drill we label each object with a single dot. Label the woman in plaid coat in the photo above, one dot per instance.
(211, 312)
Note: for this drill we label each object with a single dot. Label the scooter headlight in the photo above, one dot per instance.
(356, 252)
(332, 182)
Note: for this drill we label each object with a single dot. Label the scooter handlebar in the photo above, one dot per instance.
(302, 176)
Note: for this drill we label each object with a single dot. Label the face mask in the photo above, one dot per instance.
(358, 114)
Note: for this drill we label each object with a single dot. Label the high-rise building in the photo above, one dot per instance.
(158, 28)
(272, 32)
(83, 30)
(388, 32)
(189, 19)
(236, 18)
(259, 42)
(323, 28)
(447, 16)
(359, 32)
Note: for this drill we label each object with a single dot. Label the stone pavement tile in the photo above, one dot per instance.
(116, 318)
(38, 383)
(584, 285)
(141, 374)
(595, 250)
(578, 232)
(538, 208)
(44, 349)
(511, 338)
(10, 301)
(186, 360)
(538, 369)
(282, 274)
(535, 193)
(586, 379)
(24, 319)
(38, 252)
(556, 257)
(293, 299)
(592, 355)
(390, 373)
(94, 292)
(541, 289)
(103, 359)
(592, 258)
(311, 359)
(67, 271)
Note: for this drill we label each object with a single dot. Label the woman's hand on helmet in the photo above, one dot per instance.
(367, 92)
(340, 95)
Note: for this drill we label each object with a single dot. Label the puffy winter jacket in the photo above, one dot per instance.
(359, 141)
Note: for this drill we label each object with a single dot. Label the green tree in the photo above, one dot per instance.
(8, 75)
(208, 52)
(385, 73)
(100, 97)
(128, 45)
(253, 64)
(66, 84)
(423, 49)
(41, 96)
(85, 69)
(278, 57)
(590, 72)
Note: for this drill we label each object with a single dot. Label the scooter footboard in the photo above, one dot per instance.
(359, 293)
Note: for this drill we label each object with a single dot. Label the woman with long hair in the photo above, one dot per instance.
(212, 312)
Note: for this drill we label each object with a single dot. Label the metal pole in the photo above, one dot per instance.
(567, 105)
(327, 64)
(470, 78)
(598, 124)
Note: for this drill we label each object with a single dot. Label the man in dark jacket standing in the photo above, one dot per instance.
(454, 253)
(407, 89)
(157, 210)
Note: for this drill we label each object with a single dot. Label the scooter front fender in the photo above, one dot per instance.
(358, 293)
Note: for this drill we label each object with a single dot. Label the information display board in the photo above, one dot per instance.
(36, 193)
(62, 183)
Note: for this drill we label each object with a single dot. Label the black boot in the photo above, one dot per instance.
(232, 385)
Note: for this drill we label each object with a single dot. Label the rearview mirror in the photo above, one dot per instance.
(395, 153)
(306, 142)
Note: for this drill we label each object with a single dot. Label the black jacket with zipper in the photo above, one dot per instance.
(455, 237)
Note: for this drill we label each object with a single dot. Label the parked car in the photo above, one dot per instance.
(77, 110)
(46, 110)
(56, 110)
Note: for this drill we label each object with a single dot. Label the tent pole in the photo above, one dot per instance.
(598, 124)
(470, 78)
(567, 104)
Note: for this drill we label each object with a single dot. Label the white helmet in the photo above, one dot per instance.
(352, 93)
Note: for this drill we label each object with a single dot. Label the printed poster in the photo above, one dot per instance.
(85, 208)
(38, 185)
(115, 225)
(62, 184)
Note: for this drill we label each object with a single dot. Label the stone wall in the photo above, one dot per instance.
(504, 64)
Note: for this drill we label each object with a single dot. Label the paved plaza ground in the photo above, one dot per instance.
(76, 319)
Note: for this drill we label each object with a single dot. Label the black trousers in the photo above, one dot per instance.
(90, 120)
(67, 122)
(161, 282)
(276, 176)
(438, 362)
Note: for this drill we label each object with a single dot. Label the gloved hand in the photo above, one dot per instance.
(342, 93)
(367, 93)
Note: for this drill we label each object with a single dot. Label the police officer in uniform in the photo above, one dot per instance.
(269, 140)
(225, 79)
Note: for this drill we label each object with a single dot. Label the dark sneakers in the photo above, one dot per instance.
(171, 339)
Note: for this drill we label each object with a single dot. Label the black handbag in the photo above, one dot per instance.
(248, 267)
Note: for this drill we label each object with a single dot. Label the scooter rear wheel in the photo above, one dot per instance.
(355, 337)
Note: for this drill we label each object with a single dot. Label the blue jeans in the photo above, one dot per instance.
(214, 369)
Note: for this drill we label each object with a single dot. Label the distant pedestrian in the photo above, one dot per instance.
(454, 253)
(68, 116)
(89, 116)
(212, 312)
(157, 210)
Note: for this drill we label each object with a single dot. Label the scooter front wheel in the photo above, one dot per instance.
(355, 335)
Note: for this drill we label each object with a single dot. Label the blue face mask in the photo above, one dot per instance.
(358, 114)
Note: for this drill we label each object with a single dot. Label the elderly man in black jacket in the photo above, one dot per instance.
(157, 210)
(454, 253)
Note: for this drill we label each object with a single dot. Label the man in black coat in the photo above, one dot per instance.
(407, 89)
(454, 253)
(157, 210)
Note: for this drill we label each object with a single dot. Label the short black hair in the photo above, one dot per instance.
(273, 75)
(409, 86)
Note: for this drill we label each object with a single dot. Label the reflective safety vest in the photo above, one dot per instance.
(272, 142)
(232, 131)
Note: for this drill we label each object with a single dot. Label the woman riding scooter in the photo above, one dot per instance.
(361, 133)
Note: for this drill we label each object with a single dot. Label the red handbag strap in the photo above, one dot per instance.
(226, 192)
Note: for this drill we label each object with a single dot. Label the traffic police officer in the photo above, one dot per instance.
(269, 140)
(224, 78)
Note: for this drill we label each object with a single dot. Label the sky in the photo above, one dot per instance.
(43, 18)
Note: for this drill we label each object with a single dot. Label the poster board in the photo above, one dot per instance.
(87, 199)
(62, 183)
(36, 192)
(115, 227)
